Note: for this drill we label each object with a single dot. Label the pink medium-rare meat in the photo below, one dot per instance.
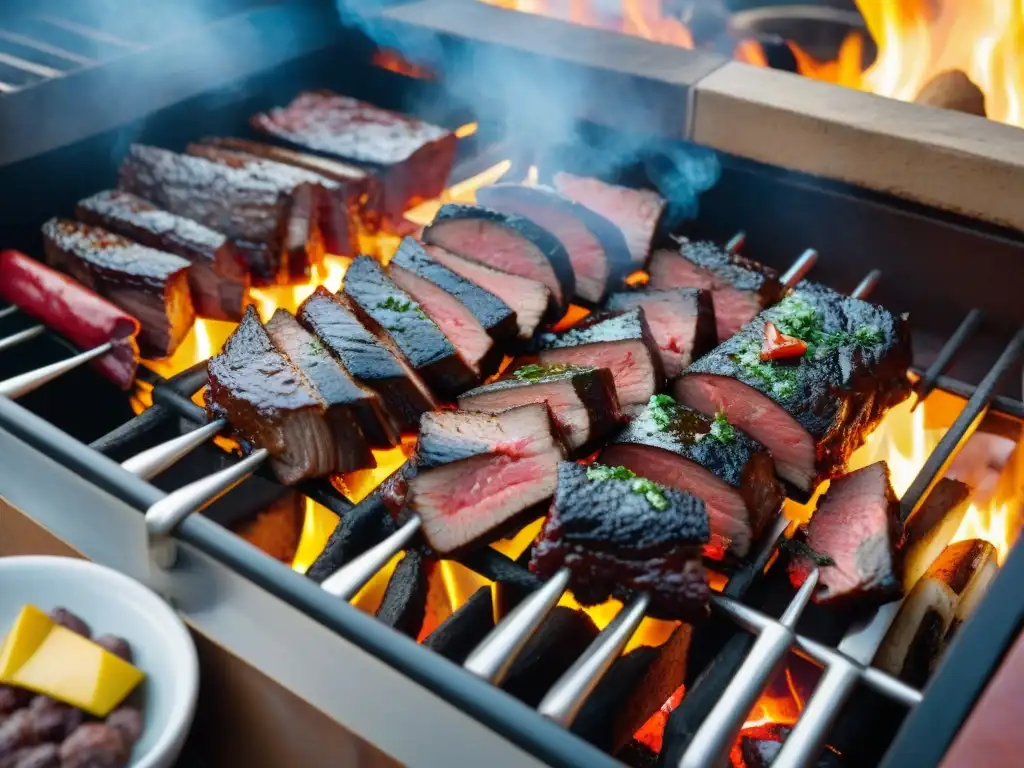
(529, 299)
(635, 211)
(682, 322)
(597, 248)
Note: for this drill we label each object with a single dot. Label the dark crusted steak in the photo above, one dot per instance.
(371, 360)
(217, 278)
(597, 248)
(620, 535)
(474, 320)
(741, 287)
(271, 210)
(424, 345)
(682, 322)
(634, 211)
(620, 342)
(480, 475)
(150, 285)
(811, 412)
(678, 447)
(582, 400)
(856, 527)
(410, 158)
(270, 403)
(348, 404)
(529, 299)
(508, 243)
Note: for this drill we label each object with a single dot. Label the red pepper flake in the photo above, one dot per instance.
(779, 346)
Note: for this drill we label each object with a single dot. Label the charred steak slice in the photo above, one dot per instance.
(270, 403)
(635, 211)
(497, 470)
(150, 285)
(529, 299)
(620, 342)
(217, 278)
(582, 400)
(620, 535)
(348, 404)
(853, 539)
(508, 243)
(682, 322)
(334, 321)
(708, 457)
(741, 287)
(411, 158)
(472, 319)
(810, 411)
(597, 248)
(424, 345)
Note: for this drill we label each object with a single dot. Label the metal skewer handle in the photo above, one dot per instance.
(16, 386)
(153, 461)
(21, 336)
(349, 579)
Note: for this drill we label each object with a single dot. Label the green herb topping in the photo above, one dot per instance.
(395, 305)
(721, 429)
(603, 472)
(800, 548)
(660, 407)
(537, 372)
(641, 486)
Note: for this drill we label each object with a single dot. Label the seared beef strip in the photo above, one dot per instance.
(813, 411)
(217, 278)
(681, 448)
(682, 322)
(741, 288)
(381, 302)
(150, 285)
(270, 403)
(619, 535)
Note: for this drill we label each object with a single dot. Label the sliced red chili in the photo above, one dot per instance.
(779, 346)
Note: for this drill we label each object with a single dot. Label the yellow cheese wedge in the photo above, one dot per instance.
(42, 656)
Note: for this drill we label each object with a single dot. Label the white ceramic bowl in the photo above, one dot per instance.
(111, 603)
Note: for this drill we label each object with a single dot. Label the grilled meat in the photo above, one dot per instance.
(529, 299)
(372, 360)
(381, 302)
(597, 248)
(150, 285)
(480, 475)
(620, 535)
(678, 447)
(582, 400)
(813, 411)
(269, 209)
(508, 243)
(635, 211)
(472, 319)
(410, 159)
(682, 323)
(270, 403)
(741, 288)
(854, 535)
(620, 342)
(217, 278)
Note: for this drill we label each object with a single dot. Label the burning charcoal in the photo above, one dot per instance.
(128, 721)
(582, 401)
(217, 278)
(40, 756)
(759, 746)
(810, 411)
(595, 721)
(410, 159)
(405, 598)
(597, 249)
(735, 476)
(117, 646)
(932, 526)
(983, 573)
(635, 211)
(367, 524)
(67, 619)
(508, 243)
(637, 755)
(274, 529)
(620, 342)
(619, 535)
(529, 299)
(853, 538)
(12, 698)
(561, 638)
(94, 745)
(682, 323)
(52, 720)
(150, 285)
(465, 629)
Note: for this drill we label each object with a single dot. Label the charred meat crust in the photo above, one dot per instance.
(426, 348)
(148, 284)
(217, 278)
(729, 270)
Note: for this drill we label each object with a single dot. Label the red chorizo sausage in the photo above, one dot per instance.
(74, 311)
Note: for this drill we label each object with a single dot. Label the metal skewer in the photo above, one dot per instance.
(736, 242)
(799, 269)
(16, 386)
(17, 338)
(867, 285)
(349, 579)
(7, 312)
(153, 461)
(946, 355)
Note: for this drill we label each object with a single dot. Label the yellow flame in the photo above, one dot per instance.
(532, 175)
(467, 130)
(463, 192)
